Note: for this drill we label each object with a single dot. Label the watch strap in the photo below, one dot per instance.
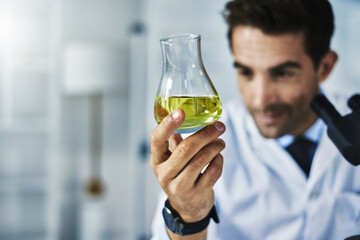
(178, 226)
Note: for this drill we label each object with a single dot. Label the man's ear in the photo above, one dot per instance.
(326, 65)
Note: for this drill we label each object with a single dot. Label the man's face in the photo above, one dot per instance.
(277, 80)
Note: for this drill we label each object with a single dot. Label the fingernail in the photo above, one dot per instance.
(220, 127)
(175, 115)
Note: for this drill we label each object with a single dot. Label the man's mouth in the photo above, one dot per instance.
(269, 117)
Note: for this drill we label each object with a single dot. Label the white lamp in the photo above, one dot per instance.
(92, 68)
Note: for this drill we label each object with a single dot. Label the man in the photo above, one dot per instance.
(267, 189)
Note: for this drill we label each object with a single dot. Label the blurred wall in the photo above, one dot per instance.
(346, 76)
(27, 120)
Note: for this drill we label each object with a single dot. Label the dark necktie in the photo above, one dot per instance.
(302, 150)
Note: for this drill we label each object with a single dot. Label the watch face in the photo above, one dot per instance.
(173, 222)
(168, 219)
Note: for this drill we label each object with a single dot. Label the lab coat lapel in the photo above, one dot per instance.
(326, 153)
(274, 156)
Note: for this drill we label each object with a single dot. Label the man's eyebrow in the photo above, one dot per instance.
(288, 64)
(239, 65)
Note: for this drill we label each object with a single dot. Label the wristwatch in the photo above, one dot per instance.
(178, 226)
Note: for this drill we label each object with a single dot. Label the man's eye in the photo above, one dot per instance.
(245, 73)
(284, 74)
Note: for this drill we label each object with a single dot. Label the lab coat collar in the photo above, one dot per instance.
(275, 157)
(324, 157)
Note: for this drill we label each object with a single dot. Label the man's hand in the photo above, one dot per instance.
(178, 165)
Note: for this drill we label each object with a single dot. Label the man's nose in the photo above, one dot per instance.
(264, 93)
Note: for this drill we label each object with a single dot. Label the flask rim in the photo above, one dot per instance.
(180, 38)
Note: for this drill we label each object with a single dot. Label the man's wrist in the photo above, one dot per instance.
(177, 225)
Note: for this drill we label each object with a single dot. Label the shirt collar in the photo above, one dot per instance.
(313, 133)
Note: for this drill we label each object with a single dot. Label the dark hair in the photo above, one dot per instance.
(314, 18)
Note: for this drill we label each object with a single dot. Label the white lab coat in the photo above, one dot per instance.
(264, 194)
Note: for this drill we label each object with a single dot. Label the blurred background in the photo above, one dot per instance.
(78, 80)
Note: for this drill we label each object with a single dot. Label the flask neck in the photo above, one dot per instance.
(182, 55)
(183, 70)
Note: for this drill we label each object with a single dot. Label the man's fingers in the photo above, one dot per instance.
(190, 146)
(211, 174)
(159, 145)
(174, 141)
(194, 167)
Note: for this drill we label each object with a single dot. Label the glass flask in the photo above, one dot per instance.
(185, 84)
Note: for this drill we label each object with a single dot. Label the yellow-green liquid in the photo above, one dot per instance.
(199, 111)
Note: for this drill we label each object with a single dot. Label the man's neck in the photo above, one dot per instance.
(313, 133)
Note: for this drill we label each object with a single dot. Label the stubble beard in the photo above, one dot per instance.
(296, 120)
